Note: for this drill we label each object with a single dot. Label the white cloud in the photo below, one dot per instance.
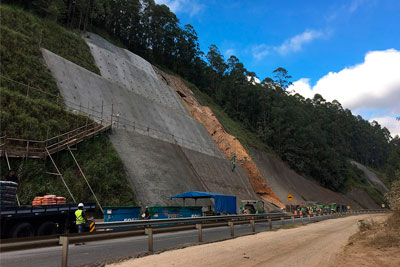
(296, 43)
(371, 85)
(354, 5)
(229, 52)
(260, 51)
(389, 122)
(184, 6)
(293, 44)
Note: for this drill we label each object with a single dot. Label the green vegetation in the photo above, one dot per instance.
(37, 115)
(34, 119)
(22, 34)
(100, 163)
(356, 179)
(234, 128)
(313, 136)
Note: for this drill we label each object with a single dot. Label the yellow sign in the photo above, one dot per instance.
(92, 226)
(290, 197)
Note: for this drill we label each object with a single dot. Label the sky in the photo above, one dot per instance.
(345, 50)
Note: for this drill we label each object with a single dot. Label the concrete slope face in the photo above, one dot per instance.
(159, 170)
(216, 175)
(284, 181)
(131, 71)
(372, 178)
(130, 110)
(165, 151)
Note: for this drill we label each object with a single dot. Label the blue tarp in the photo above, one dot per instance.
(222, 203)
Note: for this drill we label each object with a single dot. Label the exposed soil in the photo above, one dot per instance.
(312, 245)
(225, 142)
(371, 247)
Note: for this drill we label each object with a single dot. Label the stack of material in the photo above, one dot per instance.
(37, 201)
(61, 200)
(49, 200)
(8, 193)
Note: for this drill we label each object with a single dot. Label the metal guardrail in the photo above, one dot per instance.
(192, 220)
(150, 227)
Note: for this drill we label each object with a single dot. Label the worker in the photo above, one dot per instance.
(81, 219)
(12, 177)
(146, 214)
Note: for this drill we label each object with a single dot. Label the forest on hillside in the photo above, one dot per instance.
(314, 136)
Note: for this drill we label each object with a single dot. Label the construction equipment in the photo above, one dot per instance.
(252, 207)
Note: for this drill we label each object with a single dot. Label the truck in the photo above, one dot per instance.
(27, 221)
(252, 207)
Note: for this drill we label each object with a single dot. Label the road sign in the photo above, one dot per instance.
(290, 197)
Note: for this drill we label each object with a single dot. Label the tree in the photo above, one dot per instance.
(282, 77)
(50, 9)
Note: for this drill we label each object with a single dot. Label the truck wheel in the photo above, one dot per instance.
(47, 228)
(22, 230)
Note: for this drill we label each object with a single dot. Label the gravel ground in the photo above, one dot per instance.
(311, 245)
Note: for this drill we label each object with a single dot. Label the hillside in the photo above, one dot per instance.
(163, 131)
(31, 109)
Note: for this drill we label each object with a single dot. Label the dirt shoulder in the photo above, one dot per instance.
(375, 245)
(316, 244)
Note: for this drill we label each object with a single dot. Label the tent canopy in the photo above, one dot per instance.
(222, 203)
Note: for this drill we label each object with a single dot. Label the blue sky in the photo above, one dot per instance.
(329, 47)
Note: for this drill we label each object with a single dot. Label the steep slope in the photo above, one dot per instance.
(372, 178)
(226, 143)
(164, 150)
(279, 178)
(30, 109)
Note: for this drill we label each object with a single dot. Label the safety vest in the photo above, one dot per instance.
(79, 217)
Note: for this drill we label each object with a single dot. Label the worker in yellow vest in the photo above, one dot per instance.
(81, 219)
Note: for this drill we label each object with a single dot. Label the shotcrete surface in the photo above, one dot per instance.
(372, 178)
(158, 170)
(284, 181)
(362, 197)
(132, 72)
(131, 111)
(217, 175)
(138, 61)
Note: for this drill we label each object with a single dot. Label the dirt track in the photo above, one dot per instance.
(312, 245)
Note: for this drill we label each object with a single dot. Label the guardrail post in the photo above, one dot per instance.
(292, 219)
(309, 218)
(65, 243)
(283, 221)
(232, 228)
(253, 225)
(199, 227)
(149, 232)
(302, 221)
(270, 224)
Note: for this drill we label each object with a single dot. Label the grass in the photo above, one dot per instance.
(38, 116)
(381, 235)
(100, 164)
(356, 179)
(34, 119)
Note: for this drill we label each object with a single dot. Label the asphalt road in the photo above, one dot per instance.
(108, 251)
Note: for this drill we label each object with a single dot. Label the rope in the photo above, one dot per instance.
(79, 167)
(58, 171)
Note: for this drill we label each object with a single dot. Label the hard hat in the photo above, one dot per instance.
(80, 205)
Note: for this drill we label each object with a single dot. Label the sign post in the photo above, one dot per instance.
(290, 197)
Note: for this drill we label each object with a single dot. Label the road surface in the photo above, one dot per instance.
(109, 251)
(311, 245)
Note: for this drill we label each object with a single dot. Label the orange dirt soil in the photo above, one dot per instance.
(225, 142)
